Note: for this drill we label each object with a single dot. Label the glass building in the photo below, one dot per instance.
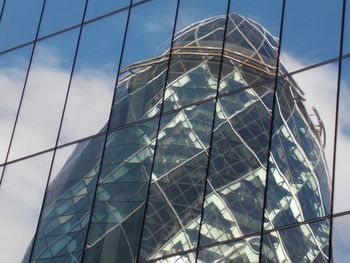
(174, 131)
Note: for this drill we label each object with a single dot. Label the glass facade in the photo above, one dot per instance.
(174, 131)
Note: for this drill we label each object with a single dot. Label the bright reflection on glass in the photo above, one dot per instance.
(62, 227)
(97, 7)
(237, 168)
(61, 14)
(341, 239)
(44, 95)
(13, 69)
(242, 251)
(183, 258)
(139, 90)
(118, 213)
(19, 22)
(310, 34)
(304, 243)
(301, 159)
(91, 91)
(21, 196)
(342, 179)
(178, 177)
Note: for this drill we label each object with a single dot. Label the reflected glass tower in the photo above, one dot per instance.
(209, 154)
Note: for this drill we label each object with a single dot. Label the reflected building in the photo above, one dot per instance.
(193, 171)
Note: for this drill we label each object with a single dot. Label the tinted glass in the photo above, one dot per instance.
(17, 24)
(310, 34)
(140, 87)
(342, 182)
(346, 43)
(119, 206)
(237, 168)
(61, 14)
(66, 212)
(13, 70)
(97, 7)
(44, 95)
(341, 239)
(21, 195)
(91, 91)
(301, 158)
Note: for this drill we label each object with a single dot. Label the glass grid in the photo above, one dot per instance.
(195, 188)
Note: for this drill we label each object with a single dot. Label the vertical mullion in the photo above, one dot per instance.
(59, 130)
(106, 135)
(2, 9)
(158, 129)
(336, 128)
(24, 86)
(271, 130)
(212, 126)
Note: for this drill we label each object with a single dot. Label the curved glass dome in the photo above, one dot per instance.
(186, 167)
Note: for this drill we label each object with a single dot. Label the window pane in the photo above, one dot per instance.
(91, 91)
(310, 35)
(342, 182)
(341, 239)
(144, 65)
(251, 43)
(301, 157)
(183, 258)
(119, 205)
(44, 96)
(197, 47)
(97, 7)
(237, 169)
(304, 243)
(61, 14)
(178, 177)
(21, 194)
(243, 251)
(62, 228)
(18, 25)
(13, 70)
(346, 41)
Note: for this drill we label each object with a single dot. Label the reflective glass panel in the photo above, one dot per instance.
(341, 239)
(60, 14)
(342, 179)
(310, 35)
(144, 64)
(21, 194)
(304, 243)
(251, 43)
(91, 91)
(301, 157)
(18, 25)
(242, 251)
(346, 40)
(183, 258)
(119, 205)
(178, 177)
(62, 227)
(44, 95)
(237, 168)
(197, 48)
(97, 7)
(13, 70)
